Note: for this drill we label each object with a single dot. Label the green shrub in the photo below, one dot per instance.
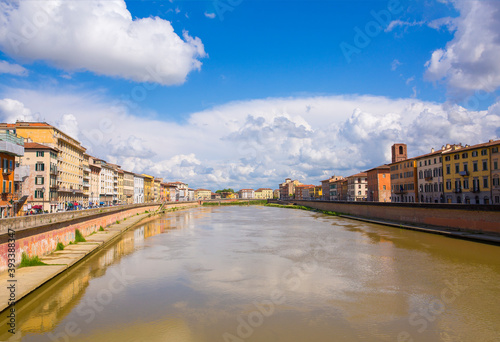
(59, 246)
(101, 229)
(26, 261)
(79, 237)
(117, 221)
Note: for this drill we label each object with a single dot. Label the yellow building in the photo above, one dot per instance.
(157, 189)
(263, 193)
(69, 159)
(318, 192)
(467, 174)
(202, 194)
(495, 171)
(148, 188)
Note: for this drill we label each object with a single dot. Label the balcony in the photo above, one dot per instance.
(428, 179)
(457, 190)
(86, 176)
(53, 171)
(11, 144)
(463, 173)
(400, 192)
(6, 172)
(475, 189)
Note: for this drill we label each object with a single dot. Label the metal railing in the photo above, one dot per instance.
(11, 137)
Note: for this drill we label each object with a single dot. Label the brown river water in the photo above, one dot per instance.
(269, 274)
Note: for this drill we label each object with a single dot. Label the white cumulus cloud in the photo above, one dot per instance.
(470, 61)
(100, 36)
(258, 143)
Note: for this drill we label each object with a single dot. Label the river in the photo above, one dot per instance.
(270, 274)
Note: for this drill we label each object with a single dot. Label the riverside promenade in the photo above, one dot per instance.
(28, 279)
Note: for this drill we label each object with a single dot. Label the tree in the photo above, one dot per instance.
(224, 190)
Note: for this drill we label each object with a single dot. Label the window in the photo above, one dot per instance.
(457, 168)
(39, 180)
(457, 184)
(38, 194)
(496, 181)
(39, 167)
(485, 165)
(466, 183)
(465, 155)
(484, 152)
(383, 187)
(494, 150)
(447, 158)
(448, 184)
(466, 168)
(485, 182)
(456, 156)
(474, 153)
(474, 166)
(10, 186)
(39, 153)
(420, 163)
(420, 176)
(4, 187)
(448, 169)
(475, 184)
(383, 176)
(425, 163)
(495, 165)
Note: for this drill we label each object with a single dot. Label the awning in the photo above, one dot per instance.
(75, 204)
(102, 203)
(36, 207)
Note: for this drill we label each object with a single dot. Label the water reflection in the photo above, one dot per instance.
(270, 274)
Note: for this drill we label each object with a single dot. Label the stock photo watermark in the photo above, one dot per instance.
(89, 309)
(363, 36)
(428, 313)
(290, 280)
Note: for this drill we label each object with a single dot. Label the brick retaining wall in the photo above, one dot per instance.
(476, 218)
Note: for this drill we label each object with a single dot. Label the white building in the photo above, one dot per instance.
(357, 187)
(246, 193)
(138, 188)
(181, 191)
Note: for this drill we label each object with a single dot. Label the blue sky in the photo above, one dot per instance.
(235, 76)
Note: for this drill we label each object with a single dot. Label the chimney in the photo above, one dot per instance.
(432, 150)
(448, 146)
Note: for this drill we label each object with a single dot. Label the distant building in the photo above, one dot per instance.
(246, 193)
(148, 188)
(326, 187)
(215, 196)
(138, 188)
(495, 172)
(379, 184)
(430, 175)
(467, 174)
(128, 187)
(202, 194)
(263, 193)
(276, 193)
(357, 187)
(301, 194)
(287, 188)
(181, 191)
(403, 176)
(39, 184)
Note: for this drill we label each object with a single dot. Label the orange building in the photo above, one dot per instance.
(403, 176)
(11, 146)
(300, 191)
(379, 184)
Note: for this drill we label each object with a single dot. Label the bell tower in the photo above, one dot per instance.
(399, 152)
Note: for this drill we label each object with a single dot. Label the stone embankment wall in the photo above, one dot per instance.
(42, 239)
(474, 218)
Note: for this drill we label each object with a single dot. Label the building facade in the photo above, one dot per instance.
(495, 172)
(40, 184)
(246, 193)
(148, 188)
(326, 187)
(379, 184)
(11, 146)
(203, 194)
(70, 158)
(467, 174)
(287, 188)
(128, 187)
(357, 187)
(95, 183)
(138, 188)
(263, 193)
